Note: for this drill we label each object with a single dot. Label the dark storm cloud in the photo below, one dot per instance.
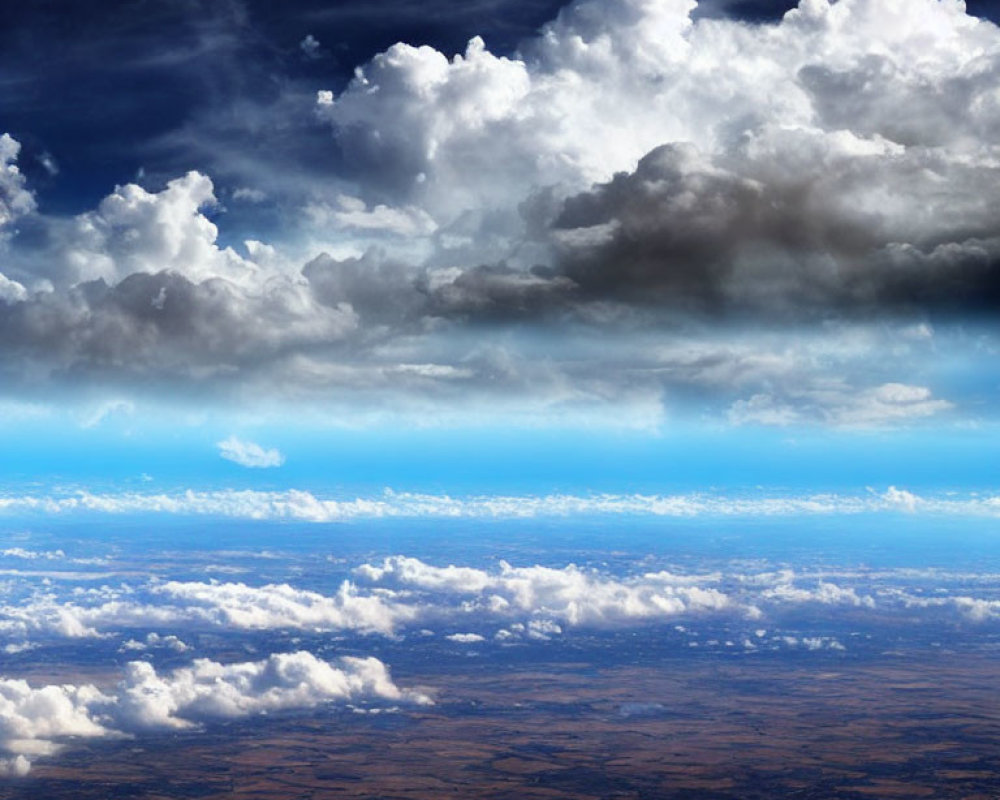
(165, 324)
(796, 233)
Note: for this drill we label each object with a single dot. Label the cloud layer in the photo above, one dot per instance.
(631, 174)
(298, 504)
(34, 721)
(401, 594)
(735, 606)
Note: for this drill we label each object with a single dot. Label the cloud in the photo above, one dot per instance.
(136, 231)
(155, 641)
(402, 596)
(303, 505)
(840, 405)
(20, 552)
(15, 199)
(16, 767)
(34, 721)
(199, 605)
(824, 592)
(15, 202)
(465, 638)
(236, 605)
(813, 642)
(249, 454)
(208, 690)
(808, 163)
(570, 595)
(386, 599)
(611, 216)
(311, 48)
(795, 219)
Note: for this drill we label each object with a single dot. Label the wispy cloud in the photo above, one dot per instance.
(250, 454)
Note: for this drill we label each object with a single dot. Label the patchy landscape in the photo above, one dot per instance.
(659, 665)
(897, 725)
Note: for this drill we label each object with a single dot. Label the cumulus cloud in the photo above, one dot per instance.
(15, 199)
(635, 170)
(401, 596)
(532, 601)
(34, 721)
(237, 605)
(465, 638)
(15, 202)
(141, 285)
(136, 231)
(824, 592)
(16, 767)
(208, 690)
(813, 642)
(797, 220)
(570, 595)
(249, 454)
(200, 605)
(812, 161)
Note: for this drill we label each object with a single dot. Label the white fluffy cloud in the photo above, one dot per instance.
(134, 230)
(570, 595)
(190, 604)
(824, 592)
(51, 712)
(15, 199)
(465, 638)
(400, 595)
(34, 721)
(15, 202)
(249, 454)
(208, 690)
(610, 80)
(236, 605)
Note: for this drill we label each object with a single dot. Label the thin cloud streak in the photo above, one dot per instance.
(297, 504)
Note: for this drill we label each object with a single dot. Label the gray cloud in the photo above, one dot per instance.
(790, 224)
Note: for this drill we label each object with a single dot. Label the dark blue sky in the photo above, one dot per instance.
(100, 86)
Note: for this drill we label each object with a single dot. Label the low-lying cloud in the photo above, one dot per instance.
(36, 721)
(298, 504)
(402, 594)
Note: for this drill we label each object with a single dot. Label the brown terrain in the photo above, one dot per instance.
(694, 729)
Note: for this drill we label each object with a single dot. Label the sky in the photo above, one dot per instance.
(341, 336)
(507, 247)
